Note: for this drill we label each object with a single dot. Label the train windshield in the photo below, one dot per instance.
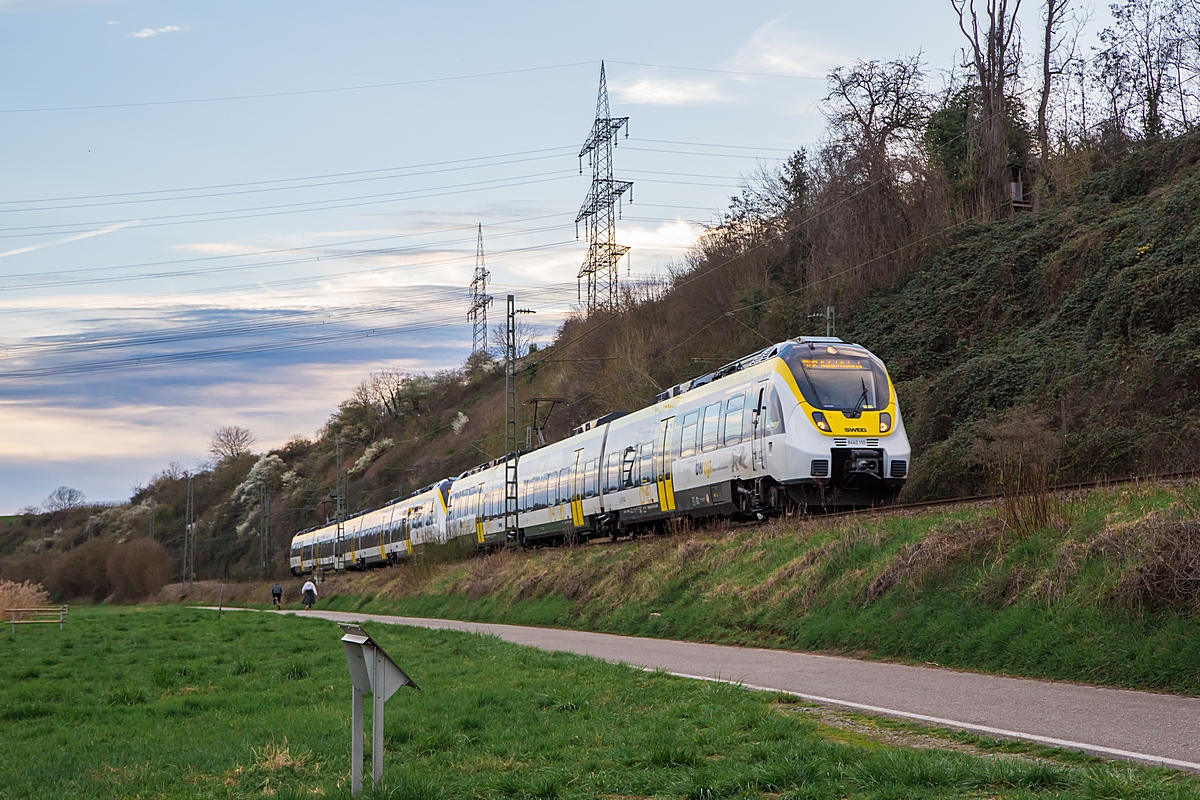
(838, 377)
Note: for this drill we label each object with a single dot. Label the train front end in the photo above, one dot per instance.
(845, 439)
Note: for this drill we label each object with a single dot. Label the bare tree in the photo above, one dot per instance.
(525, 336)
(231, 441)
(878, 106)
(1056, 15)
(994, 47)
(63, 498)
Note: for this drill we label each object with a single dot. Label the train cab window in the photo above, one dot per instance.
(839, 377)
(687, 445)
(646, 462)
(710, 427)
(774, 414)
(735, 411)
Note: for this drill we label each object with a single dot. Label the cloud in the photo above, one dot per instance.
(773, 48)
(73, 238)
(146, 33)
(113, 22)
(651, 90)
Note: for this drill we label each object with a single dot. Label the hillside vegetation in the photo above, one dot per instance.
(1107, 591)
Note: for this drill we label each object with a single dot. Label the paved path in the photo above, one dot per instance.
(1116, 723)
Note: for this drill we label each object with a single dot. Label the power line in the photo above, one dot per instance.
(292, 208)
(268, 185)
(296, 93)
(821, 78)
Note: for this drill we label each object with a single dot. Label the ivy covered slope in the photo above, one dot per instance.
(1076, 328)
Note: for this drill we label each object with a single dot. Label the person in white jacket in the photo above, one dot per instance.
(309, 594)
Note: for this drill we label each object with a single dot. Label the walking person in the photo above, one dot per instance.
(309, 594)
(276, 594)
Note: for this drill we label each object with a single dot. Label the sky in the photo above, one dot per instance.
(229, 213)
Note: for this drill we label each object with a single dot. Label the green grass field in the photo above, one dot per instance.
(171, 702)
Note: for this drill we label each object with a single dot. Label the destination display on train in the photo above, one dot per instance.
(833, 363)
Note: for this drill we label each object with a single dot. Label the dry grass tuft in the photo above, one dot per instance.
(21, 595)
(933, 556)
(693, 549)
(275, 757)
(1051, 586)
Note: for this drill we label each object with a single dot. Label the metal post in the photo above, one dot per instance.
(377, 699)
(356, 740)
(340, 507)
(264, 529)
(829, 322)
(511, 524)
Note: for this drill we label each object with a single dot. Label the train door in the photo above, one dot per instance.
(576, 490)
(478, 505)
(666, 488)
(758, 459)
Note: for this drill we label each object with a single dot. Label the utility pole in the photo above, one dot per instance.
(153, 506)
(189, 540)
(828, 316)
(479, 301)
(599, 269)
(340, 506)
(511, 522)
(264, 529)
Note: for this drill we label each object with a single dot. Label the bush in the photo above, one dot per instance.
(32, 568)
(138, 569)
(81, 571)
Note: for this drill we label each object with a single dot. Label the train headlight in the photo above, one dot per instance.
(885, 422)
(820, 421)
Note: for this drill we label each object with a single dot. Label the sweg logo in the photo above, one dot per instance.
(856, 430)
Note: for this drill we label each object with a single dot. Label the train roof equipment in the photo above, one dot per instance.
(598, 421)
(740, 364)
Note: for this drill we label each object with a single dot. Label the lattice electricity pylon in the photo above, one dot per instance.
(597, 214)
(480, 300)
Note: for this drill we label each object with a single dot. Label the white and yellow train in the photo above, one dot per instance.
(808, 423)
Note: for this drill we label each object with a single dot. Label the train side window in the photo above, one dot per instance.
(646, 462)
(687, 447)
(589, 478)
(564, 485)
(628, 462)
(710, 428)
(735, 409)
(612, 472)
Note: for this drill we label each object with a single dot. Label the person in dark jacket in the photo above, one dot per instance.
(276, 594)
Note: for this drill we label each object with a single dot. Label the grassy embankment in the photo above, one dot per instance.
(171, 702)
(1105, 593)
